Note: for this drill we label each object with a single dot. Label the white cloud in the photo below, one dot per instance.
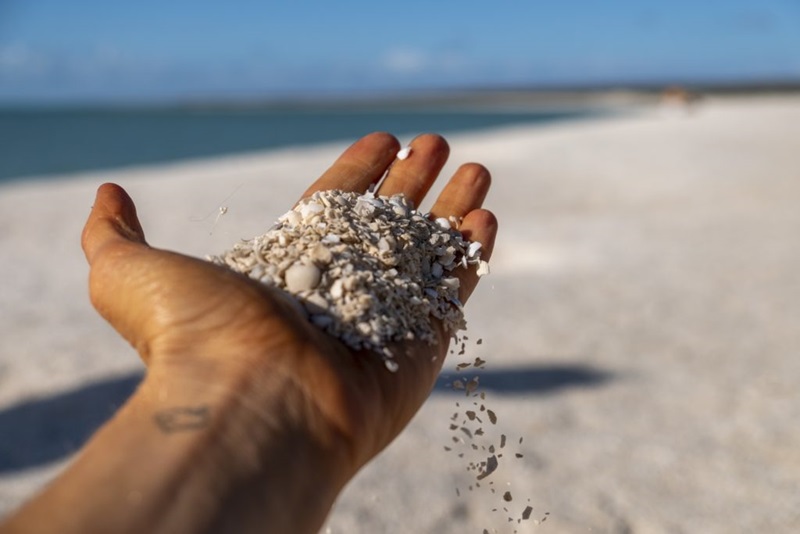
(405, 61)
(19, 59)
(435, 63)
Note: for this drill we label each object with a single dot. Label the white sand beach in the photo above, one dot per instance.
(641, 324)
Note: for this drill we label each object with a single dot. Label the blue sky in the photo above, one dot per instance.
(89, 50)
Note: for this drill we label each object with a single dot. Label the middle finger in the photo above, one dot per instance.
(415, 175)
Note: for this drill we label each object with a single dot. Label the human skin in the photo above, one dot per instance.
(249, 419)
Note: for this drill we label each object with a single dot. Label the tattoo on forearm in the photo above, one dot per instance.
(182, 418)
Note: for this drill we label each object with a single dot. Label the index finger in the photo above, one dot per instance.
(361, 165)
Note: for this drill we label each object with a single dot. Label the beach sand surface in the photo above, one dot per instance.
(640, 325)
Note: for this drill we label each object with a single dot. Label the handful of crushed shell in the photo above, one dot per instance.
(368, 269)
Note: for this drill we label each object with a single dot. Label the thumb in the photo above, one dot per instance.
(112, 220)
(112, 241)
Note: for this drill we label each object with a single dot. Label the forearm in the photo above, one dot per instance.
(195, 458)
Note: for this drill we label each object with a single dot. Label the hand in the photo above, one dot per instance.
(249, 419)
(198, 325)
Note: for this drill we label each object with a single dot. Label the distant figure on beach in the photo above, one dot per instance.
(677, 98)
(249, 419)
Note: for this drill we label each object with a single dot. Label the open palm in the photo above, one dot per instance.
(201, 322)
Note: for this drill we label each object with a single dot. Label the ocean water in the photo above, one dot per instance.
(42, 142)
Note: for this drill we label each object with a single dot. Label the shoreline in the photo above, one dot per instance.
(77, 140)
(590, 107)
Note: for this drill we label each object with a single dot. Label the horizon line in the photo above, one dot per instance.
(418, 96)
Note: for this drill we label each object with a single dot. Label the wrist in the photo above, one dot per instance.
(185, 456)
(258, 452)
(282, 383)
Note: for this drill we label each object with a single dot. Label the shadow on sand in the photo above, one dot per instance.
(43, 430)
(39, 431)
(528, 380)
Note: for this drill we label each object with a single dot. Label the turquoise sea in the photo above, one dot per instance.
(40, 142)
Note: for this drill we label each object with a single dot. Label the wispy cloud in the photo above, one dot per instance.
(30, 72)
(410, 60)
(405, 61)
(19, 60)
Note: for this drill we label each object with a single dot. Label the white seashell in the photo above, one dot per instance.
(383, 245)
(364, 209)
(483, 268)
(364, 328)
(270, 280)
(257, 272)
(310, 209)
(473, 249)
(316, 302)
(291, 218)
(321, 255)
(448, 257)
(451, 283)
(443, 223)
(300, 277)
(350, 283)
(400, 211)
(337, 289)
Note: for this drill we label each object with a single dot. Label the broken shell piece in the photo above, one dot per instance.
(300, 277)
(400, 210)
(455, 221)
(321, 255)
(384, 245)
(257, 272)
(310, 209)
(483, 268)
(443, 223)
(404, 153)
(292, 218)
(451, 282)
(316, 303)
(447, 256)
(336, 289)
(472, 385)
(473, 249)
